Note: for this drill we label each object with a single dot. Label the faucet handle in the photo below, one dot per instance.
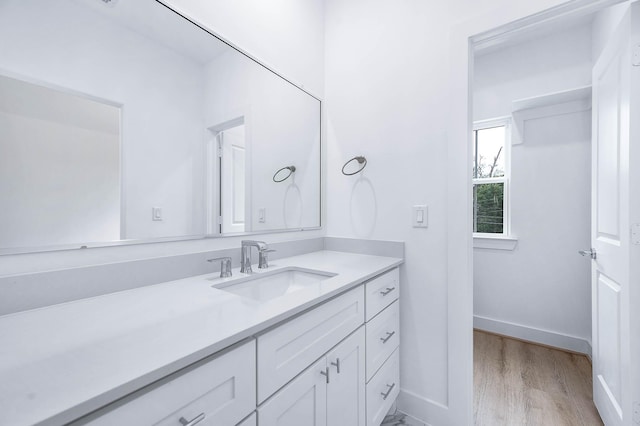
(225, 265)
(263, 258)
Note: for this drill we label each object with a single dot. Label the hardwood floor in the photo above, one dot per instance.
(519, 383)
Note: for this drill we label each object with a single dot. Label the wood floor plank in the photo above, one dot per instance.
(519, 383)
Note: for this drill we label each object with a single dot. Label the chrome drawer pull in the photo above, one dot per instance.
(337, 364)
(386, 395)
(326, 373)
(388, 290)
(197, 419)
(389, 336)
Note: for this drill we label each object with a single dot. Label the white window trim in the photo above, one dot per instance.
(494, 241)
(503, 241)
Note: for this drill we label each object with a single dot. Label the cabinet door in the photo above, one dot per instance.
(346, 389)
(301, 402)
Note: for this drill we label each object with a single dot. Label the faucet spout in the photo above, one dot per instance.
(245, 259)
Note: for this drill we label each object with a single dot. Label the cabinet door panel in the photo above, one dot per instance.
(346, 389)
(301, 402)
(288, 349)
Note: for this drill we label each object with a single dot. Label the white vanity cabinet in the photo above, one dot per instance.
(335, 364)
(368, 362)
(220, 390)
(331, 392)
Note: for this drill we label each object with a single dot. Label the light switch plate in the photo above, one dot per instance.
(156, 213)
(420, 216)
(262, 215)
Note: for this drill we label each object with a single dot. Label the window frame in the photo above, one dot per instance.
(505, 122)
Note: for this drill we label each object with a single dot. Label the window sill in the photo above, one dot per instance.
(494, 242)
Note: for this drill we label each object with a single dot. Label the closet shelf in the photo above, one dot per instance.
(564, 96)
(562, 102)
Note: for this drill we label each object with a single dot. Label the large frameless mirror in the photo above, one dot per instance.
(123, 122)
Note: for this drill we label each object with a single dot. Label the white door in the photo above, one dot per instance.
(233, 179)
(301, 402)
(346, 388)
(615, 195)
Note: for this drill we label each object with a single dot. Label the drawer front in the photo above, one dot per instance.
(381, 291)
(383, 337)
(219, 392)
(383, 390)
(288, 349)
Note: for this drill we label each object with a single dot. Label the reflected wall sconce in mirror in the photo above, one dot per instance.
(362, 163)
(290, 169)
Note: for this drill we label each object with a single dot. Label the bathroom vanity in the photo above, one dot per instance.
(312, 340)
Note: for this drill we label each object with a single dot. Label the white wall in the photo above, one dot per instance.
(540, 290)
(553, 63)
(292, 43)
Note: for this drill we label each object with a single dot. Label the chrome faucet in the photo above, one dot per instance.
(245, 259)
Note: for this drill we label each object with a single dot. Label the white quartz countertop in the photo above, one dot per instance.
(63, 361)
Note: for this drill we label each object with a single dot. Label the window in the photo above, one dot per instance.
(490, 177)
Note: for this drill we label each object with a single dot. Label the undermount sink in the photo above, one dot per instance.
(264, 286)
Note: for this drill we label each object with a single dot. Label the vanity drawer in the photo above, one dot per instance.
(383, 337)
(288, 349)
(381, 291)
(383, 390)
(221, 391)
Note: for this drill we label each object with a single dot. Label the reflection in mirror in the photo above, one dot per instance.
(123, 121)
(59, 166)
(232, 166)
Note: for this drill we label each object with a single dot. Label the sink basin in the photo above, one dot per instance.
(269, 285)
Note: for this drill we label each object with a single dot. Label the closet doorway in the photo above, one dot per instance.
(544, 189)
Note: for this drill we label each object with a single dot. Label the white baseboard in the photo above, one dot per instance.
(532, 334)
(423, 409)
